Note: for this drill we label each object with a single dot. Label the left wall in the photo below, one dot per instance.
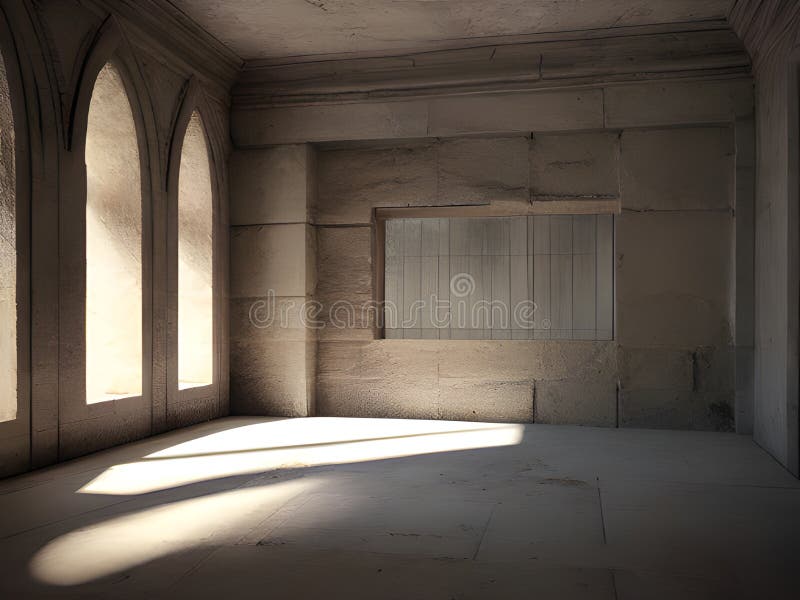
(52, 51)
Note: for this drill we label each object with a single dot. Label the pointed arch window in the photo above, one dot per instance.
(195, 259)
(113, 244)
(8, 255)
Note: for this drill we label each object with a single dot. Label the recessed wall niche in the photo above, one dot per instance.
(113, 244)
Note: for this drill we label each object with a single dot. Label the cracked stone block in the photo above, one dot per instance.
(574, 165)
(352, 181)
(483, 170)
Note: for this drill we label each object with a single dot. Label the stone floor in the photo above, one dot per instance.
(363, 508)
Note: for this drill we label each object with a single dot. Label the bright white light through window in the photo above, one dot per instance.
(195, 271)
(113, 244)
(8, 256)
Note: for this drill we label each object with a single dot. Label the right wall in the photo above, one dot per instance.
(770, 31)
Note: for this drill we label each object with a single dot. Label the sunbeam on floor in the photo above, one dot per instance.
(366, 508)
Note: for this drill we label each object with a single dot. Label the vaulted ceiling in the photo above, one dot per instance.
(273, 29)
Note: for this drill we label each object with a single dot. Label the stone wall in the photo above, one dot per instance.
(53, 51)
(669, 152)
(771, 30)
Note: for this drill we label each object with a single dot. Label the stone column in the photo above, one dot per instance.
(273, 276)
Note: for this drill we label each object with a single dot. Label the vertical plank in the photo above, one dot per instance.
(541, 297)
(429, 237)
(393, 293)
(531, 271)
(458, 236)
(429, 290)
(476, 236)
(561, 234)
(412, 267)
(412, 237)
(519, 295)
(497, 236)
(444, 237)
(459, 305)
(476, 318)
(443, 313)
(500, 299)
(605, 277)
(583, 234)
(583, 295)
(518, 236)
(561, 296)
(584, 271)
(541, 234)
(394, 237)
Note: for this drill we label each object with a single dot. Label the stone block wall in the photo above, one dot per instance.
(671, 161)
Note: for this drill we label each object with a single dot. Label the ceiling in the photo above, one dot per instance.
(269, 29)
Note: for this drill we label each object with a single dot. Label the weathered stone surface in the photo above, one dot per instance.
(655, 409)
(661, 409)
(713, 411)
(271, 257)
(487, 401)
(576, 403)
(380, 379)
(675, 103)
(519, 112)
(89, 435)
(527, 360)
(344, 288)
(300, 124)
(715, 369)
(271, 377)
(678, 169)
(486, 381)
(482, 170)
(271, 185)
(339, 397)
(354, 181)
(574, 165)
(655, 369)
(674, 279)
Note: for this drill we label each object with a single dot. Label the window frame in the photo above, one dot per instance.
(555, 207)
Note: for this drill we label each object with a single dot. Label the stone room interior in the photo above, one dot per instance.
(408, 299)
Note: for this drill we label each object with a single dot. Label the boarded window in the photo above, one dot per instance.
(195, 272)
(528, 277)
(113, 244)
(8, 256)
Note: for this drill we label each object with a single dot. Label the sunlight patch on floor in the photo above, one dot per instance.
(125, 542)
(296, 443)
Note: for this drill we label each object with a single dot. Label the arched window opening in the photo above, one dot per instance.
(113, 244)
(195, 271)
(8, 255)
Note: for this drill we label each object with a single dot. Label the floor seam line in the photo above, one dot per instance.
(483, 535)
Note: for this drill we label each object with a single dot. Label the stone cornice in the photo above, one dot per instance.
(581, 58)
